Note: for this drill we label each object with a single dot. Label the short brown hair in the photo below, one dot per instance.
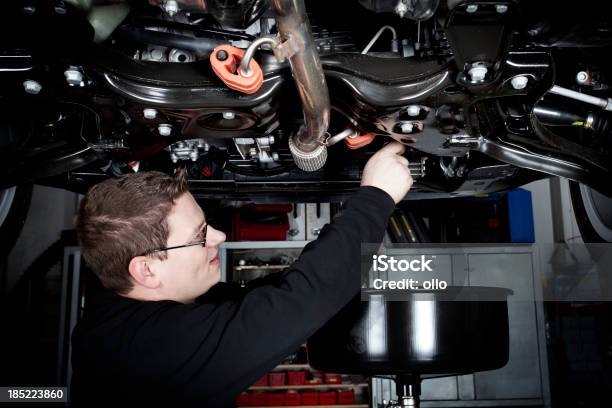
(124, 217)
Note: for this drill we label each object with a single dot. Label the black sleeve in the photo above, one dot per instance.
(229, 346)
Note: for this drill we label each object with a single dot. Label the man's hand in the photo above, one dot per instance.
(388, 170)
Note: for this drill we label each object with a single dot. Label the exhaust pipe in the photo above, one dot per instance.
(307, 145)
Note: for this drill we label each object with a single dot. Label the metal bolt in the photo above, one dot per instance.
(316, 231)
(60, 8)
(406, 127)
(519, 82)
(413, 110)
(471, 8)
(582, 77)
(156, 54)
(74, 77)
(222, 55)
(229, 115)
(274, 156)
(501, 8)
(171, 7)
(149, 113)
(32, 87)
(401, 8)
(533, 32)
(478, 73)
(164, 129)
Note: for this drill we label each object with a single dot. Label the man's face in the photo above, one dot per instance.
(189, 272)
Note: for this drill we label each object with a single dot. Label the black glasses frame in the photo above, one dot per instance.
(203, 243)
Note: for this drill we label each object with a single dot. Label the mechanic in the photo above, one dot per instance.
(163, 331)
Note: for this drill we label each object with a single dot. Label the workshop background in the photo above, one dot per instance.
(560, 353)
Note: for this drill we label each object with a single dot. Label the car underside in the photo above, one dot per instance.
(487, 96)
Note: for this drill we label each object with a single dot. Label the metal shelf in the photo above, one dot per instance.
(293, 366)
(308, 386)
(325, 406)
(263, 244)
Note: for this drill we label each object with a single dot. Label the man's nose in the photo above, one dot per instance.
(214, 237)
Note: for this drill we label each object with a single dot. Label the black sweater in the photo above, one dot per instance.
(204, 354)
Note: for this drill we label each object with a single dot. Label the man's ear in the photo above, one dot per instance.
(142, 274)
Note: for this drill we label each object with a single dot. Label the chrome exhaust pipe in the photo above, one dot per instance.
(308, 145)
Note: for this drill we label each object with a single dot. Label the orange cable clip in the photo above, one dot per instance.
(225, 61)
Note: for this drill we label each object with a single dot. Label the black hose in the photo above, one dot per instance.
(553, 116)
(198, 31)
(171, 40)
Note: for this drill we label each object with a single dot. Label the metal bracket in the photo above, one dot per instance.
(286, 49)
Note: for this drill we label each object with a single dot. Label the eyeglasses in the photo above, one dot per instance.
(201, 242)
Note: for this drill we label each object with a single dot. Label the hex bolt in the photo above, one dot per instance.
(157, 54)
(32, 87)
(406, 127)
(229, 115)
(171, 7)
(501, 8)
(519, 82)
(74, 77)
(471, 8)
(149, 113)
(413, 110)
(164, 129)
(582, 78)
(222, 55)
(478, 73)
